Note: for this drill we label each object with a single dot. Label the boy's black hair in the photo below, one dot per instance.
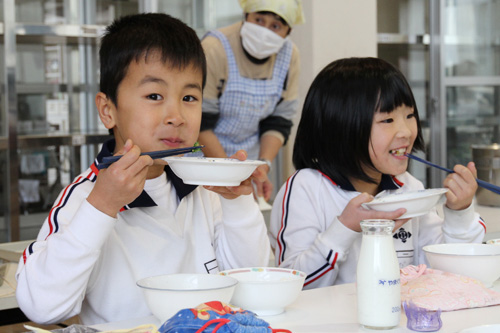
(131, 37)
(335, 127)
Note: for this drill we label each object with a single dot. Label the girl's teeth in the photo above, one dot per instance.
(398, 152)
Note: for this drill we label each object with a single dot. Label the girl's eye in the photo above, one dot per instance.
(189, 98)
(388, 120)
(411, 115)
(155, 97)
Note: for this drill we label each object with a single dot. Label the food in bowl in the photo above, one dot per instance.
(265, 291)
(417, 203)
(212, 171)
(479, 261)
(167, 294)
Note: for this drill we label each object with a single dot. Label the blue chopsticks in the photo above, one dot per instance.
(108, 160)
(482, 183)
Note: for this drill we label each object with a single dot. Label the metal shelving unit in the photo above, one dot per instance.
(49, 128)
(449, 51)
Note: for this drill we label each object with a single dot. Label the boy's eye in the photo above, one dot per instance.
(154, 97)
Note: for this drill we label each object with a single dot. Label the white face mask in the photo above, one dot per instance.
(260, 42)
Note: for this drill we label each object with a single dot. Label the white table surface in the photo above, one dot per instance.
(333, 309)
(12, 251)
(8, 286)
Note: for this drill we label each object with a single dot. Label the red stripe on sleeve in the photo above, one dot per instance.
(326, 271)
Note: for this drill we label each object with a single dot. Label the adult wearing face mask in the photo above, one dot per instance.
(251, 92)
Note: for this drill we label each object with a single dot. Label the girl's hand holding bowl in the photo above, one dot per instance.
(354, 213)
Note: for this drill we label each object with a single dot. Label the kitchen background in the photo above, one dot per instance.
(49, 131)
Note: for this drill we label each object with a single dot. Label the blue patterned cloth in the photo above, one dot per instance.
(217, 317)
(245, 102)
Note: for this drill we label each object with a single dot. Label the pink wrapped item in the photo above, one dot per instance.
(433, 289)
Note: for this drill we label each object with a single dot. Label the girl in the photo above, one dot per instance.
(358, 121)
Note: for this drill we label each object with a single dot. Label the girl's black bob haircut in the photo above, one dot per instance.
(335, 127)
(131, 37)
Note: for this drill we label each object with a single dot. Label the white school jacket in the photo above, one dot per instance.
(86, 262)
(307, 235)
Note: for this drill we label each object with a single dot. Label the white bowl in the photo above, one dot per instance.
(212, 171)
(479, 261)
(417, 203)
(495, 241)
(265, 291)
(495, 328)
(167, 294)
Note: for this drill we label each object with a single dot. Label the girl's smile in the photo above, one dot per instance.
(392, 135)
(398, 152)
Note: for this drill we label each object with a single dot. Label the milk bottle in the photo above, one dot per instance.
(378, 284)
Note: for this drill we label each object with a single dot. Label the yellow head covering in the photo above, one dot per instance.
(289, 10)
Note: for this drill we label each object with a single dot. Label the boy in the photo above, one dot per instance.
(114, 226)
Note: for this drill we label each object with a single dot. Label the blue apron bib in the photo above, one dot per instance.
(245, 102)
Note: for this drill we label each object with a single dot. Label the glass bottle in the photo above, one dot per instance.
(378, 277)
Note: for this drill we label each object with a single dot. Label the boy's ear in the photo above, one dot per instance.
(106, 109)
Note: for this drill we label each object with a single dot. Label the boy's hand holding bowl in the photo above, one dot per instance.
(245, 187)
(229, 177)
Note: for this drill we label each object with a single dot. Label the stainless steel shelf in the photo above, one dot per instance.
(473, 122)
(63, 33)
(393, 38)
(468, 81)
(475, 41)
(60, 30)
(424, 39)
(47, 88)
(60, 139)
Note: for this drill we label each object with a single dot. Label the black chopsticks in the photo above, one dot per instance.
(108, 160)
(482, 183)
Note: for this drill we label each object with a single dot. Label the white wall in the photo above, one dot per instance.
(334, 29)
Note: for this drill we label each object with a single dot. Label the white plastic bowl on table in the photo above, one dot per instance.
(417, 203)
(167, 294)
(495, 328)
(212, 171)
(479, 261)
(265, 291)
(495, 241)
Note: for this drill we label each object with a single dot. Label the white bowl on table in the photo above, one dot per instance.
(479, 261)
(495, 328)
(265, 291)
(167, 294)
(417, 203)
(212, 171)
(494, 241)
